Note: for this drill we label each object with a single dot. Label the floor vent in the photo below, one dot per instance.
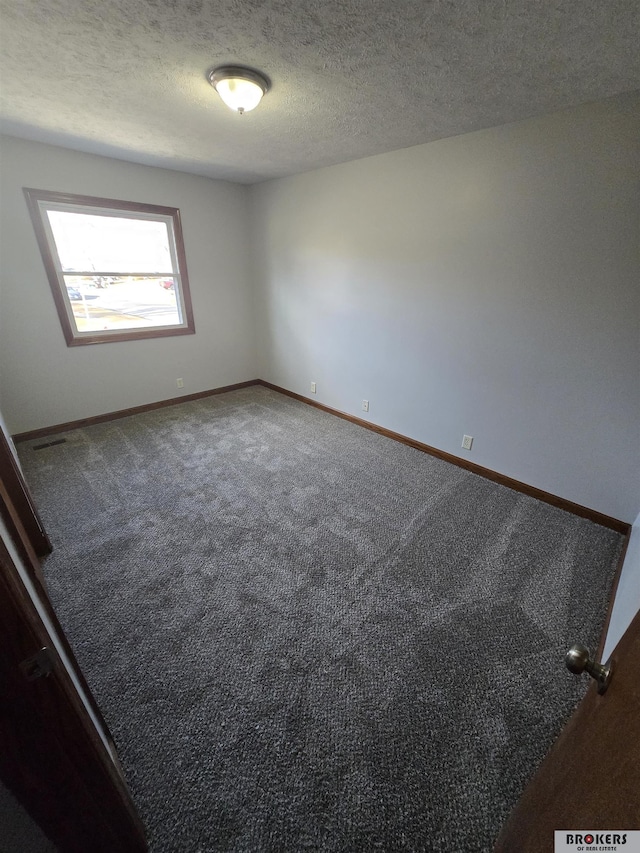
(49, 444)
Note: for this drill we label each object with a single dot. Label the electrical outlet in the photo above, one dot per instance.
(365, 405)
(313, 387)
(180, 383)
(467, 441)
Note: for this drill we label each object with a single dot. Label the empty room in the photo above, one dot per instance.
(320, 425)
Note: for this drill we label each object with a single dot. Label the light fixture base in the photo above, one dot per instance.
(226, 71)
(240, 88)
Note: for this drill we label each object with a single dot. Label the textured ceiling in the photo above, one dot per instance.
(350, 78)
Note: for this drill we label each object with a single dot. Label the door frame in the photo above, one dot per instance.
(53, 756)
(22, 541)
(22, 501)
(57, 755)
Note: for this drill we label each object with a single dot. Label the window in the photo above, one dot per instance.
(117, 269)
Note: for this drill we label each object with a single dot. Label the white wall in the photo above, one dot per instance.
(627, 600)
(486, 284)
(45, 382)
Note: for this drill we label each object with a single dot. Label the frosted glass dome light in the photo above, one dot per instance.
(240, 88)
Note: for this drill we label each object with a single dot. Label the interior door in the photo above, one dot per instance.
(591, 777)
(54, 755)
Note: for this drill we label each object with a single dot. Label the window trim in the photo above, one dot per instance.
(56, 279)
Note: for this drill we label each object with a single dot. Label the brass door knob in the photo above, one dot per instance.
(578, 661)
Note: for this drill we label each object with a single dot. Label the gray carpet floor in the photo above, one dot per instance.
(18, 832)
(305, 636)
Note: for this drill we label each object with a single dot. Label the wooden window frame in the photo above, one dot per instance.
(55, 274)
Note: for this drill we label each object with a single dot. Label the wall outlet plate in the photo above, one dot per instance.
(313, 387)
(467, 441)
(180, 383)
(365, 405)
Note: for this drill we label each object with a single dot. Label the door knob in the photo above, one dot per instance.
(38, 665)
(578, 661)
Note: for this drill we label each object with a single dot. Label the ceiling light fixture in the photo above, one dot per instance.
(240, 88)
